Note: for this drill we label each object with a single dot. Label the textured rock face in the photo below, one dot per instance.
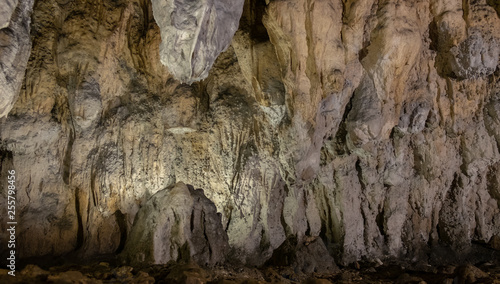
(194, 33)
(370, 126)
(177, 223)
(308, 256)
(15, 47)
(6, 11)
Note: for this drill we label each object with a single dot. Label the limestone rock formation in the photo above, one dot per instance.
(194, 33)
(15, 47)
(6, 11)
(370, 126)
(177, 223)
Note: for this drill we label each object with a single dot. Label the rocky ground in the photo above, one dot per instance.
(104, 272)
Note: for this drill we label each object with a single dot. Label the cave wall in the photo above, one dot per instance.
(372, 124)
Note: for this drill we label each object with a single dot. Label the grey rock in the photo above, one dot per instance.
(177, 223)
(6, 9)
(364, 122)
(15, 48)
(474, 57)
(194, 33)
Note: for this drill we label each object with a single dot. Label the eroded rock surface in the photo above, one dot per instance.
(15, 47)
(177, 224)
(6, 11)
(194, 33)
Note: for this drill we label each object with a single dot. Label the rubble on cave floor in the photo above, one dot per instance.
(104, 272)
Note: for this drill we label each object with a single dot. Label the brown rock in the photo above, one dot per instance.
(143, 278)
(495, 242)
(71, 277)
(122, 273)
(318, 281)
(189, 274)
(405, 278)
(33, 271)
(470, 274)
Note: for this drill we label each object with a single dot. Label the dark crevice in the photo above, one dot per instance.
(229, 218)
(380, 222)
(92, 187)
(359, 171)
(5, 156)
(251, 20)
(495, 4)
(308, 230)
(434, 36)
(327, 225)
(340, 140)
(492, 183)
(79, 233)
(66, 171)
(191, 224)
(121, 220)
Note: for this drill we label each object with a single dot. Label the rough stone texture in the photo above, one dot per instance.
(371, 126)
(15, 47)
(194, 33)
(310, 256)
(6, 10)
(177, 223)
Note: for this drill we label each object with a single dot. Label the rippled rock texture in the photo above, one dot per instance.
(369, 126)
(194, 33)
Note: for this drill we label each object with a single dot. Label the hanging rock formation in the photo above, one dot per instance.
(194, 33)
(369, 126)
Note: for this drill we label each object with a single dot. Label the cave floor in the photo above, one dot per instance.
(104, 272)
